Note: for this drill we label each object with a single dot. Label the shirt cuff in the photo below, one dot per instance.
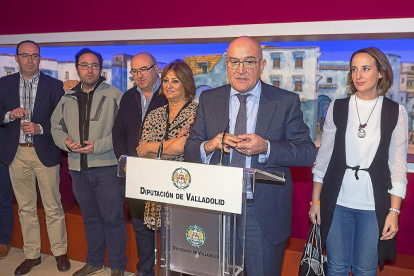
(7, 118)
(205, 159)
(398, 189)
(40, 129)
(264, 157)
(317, 179)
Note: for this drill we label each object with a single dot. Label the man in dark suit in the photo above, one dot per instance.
(135, 105)
(266, 132)
(6, 207)
(27, 101)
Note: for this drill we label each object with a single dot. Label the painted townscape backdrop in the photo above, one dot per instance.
(316, 70)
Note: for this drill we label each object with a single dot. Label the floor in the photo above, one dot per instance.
(48, 266)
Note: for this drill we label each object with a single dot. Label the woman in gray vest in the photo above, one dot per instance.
(360, 172)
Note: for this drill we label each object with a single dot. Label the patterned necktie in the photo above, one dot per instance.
(239, 159)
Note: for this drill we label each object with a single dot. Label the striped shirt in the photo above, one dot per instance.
(144, 102)
(34, 82)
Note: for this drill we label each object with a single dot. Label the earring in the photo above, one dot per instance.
(379, 91)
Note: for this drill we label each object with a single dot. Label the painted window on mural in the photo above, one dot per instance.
(299, 57)
(410, 82)
(276, 62)
(298, 85)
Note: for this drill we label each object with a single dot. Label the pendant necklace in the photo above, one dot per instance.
(361, 131)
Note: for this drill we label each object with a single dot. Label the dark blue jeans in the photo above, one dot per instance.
(144, 238)
(352, 242)
(6, 206)
(100, 196)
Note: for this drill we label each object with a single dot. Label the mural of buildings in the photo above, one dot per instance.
(290, 68)
(407, 88)
(332, 85)
(67, 70)
(202, 64)
(296, 69)
(394, 91)
(8, 65)
(119, 71)
(208, 71)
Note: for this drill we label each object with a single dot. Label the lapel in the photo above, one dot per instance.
(267, 107)
(40, 93)
(221, 108)
(16, 94)
(137, 99)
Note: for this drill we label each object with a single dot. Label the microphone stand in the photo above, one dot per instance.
(221, 157)
(161, 146)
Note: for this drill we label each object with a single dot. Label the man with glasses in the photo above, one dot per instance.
(136, 103)
(27, 100)
(267, 132)
(82, 126)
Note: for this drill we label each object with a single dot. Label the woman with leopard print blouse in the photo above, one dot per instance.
(169, 123)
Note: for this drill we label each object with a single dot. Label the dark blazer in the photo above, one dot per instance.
(280, 121)
(49, 92)
(126, 131)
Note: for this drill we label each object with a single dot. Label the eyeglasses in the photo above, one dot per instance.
(248, 64)
(142, 70)
(85, 66)
(26, 56)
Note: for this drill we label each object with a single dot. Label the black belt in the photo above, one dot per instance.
(356, 169)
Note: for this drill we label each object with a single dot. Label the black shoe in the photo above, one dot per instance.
(26, 266)
(87, 270)
(62, 263)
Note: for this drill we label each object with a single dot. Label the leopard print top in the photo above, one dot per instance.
(156, 124)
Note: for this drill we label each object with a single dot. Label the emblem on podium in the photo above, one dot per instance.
(195, 236)
(181, 178)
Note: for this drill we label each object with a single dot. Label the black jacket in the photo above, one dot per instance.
(126, 131)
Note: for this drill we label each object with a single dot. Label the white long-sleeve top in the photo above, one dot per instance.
(358, 194)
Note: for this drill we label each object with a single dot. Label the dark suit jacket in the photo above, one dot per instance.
(49, 92)
(280, 121)
(126, 131)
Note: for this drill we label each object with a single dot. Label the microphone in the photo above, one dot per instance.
(221, 157)
(161, 146)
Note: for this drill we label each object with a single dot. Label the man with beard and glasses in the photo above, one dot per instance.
(82, 125)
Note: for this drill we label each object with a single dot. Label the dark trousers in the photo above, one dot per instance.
(6, 206)
(101, 198)
(144, 238)
(261, 258)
